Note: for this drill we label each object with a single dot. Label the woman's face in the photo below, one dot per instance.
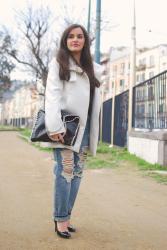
(75, 40)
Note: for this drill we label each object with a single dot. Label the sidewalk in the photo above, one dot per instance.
(116, 209)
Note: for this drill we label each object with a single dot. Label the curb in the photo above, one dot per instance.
(161, 172)
(24, 137)
(9, 130)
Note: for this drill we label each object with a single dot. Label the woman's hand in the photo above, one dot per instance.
(57, 137)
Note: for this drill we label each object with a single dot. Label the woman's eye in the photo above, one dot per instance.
(80, 36)
(70, 36)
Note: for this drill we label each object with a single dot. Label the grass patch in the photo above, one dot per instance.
(106, 157)
(142, 164)
(114, 156)
(100, 162)
(110, 157)
(37, 145)
(159, 178)
(26, 133)
(8, 128)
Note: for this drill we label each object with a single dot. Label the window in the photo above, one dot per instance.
(114, 70)
(151, 74)
(150, 109)
(141, 64)
(151, 61)
(142, 61)
(163, 52)
(113, 84)
(161, 108)
(142, 109)
(142, 77)
(150, 92)
(164, 66)
(122, 69)
(138, 94)
(144, 94)
(138, 78)
(122, 82)
(162, 91)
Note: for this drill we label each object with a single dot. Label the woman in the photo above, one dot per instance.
(72, 85)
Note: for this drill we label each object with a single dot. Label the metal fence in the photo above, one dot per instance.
(121, 119)
(149, 103)
(149, 109)
(106, 121)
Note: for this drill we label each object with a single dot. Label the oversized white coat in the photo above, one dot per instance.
(72, 96)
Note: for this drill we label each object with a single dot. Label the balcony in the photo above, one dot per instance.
(141, 67)
(152, 65)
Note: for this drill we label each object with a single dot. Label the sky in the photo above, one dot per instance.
(151, 18)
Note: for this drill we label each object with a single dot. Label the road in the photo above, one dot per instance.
(116, 209)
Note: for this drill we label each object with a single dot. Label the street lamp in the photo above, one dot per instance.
(98, 21)
(133, 69)
(89, 10)
(103, 91)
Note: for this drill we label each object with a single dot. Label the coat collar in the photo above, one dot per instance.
(74, 67)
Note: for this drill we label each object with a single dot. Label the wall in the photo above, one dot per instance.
(150, 146)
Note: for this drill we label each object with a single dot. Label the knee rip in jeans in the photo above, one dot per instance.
(67, 163)
(80, 165)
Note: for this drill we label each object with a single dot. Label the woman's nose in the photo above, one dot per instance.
(75, 38)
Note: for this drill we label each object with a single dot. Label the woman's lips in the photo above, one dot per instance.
(75, 45)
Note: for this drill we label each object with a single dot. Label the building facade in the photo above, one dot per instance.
(149, 62)
(19, 108)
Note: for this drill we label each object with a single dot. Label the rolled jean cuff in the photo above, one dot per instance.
(65, 218)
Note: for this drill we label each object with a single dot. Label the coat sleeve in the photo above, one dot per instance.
(53, 96)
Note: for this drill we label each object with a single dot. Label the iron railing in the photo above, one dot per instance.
(121, 119)
(150, 104)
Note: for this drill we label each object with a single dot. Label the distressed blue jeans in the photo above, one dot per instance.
(68, 172)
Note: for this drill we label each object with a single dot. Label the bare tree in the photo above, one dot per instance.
(34, 47)
(35, 44)
(6, 65)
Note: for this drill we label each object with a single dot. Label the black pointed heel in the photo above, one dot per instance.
(71, 229)
(65, 234)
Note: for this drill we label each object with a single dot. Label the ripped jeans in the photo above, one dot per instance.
(68, 173)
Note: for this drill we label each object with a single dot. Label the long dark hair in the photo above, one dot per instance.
(64, 54)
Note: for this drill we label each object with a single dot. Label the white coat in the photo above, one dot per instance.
(72, 96)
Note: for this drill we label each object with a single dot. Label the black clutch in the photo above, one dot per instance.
(71, 123)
